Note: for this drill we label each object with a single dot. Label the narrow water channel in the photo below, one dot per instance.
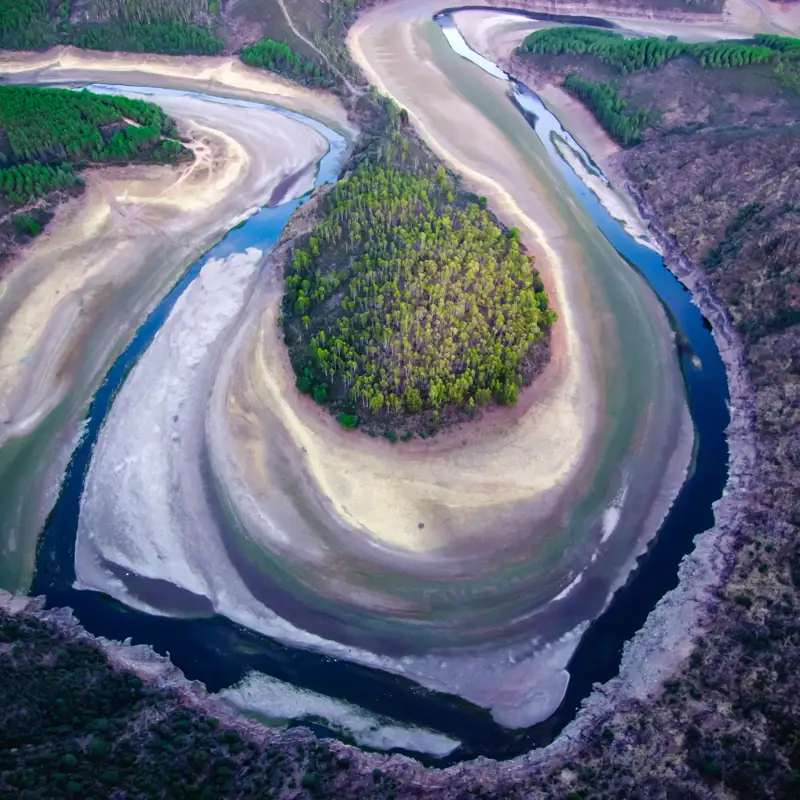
(598, 655)
(220, 653)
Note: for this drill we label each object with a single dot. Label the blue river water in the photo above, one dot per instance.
(220, 653)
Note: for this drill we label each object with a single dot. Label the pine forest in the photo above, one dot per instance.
(280, 58)
(47, 135)
(631, 55)
(409, 299)
(777, 56)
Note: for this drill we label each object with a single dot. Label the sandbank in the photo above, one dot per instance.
(468, 565)
(121, 226)
(228, 77)
(72, 298)
(380, 532)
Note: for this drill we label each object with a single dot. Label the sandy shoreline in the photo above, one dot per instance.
(74, 296)
(667, 637)
(650, 658)
(312, 517)
(339, 515)
(373, 535)
(223, 76)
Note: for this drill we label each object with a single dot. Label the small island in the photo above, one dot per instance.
(409, 307)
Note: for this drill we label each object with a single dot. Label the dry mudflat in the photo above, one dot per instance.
(421, 542)
(72, 299)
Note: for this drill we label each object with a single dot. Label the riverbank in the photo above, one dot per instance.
(393, 605)
(66, 317)
(648, 758)
(671, 631)
(354, 511)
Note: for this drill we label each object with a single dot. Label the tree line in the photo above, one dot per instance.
(58, 125)
(30, 25)
(50, 133)
(171, 38)
(405, 299)
(631, 55)
(625, 126)
(25, 183)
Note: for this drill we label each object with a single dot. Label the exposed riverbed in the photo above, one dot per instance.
(616, 341)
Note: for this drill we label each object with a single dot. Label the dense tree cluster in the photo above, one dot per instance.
(140, 26)
(26, 25)
(47, 134)
(425, 303)
(630, 55)
(280, 58)
(624, 125)
(57, 125)
(172, 38)
(24, 183)
(148, 11)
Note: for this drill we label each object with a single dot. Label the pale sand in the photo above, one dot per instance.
(227, 76)
(441, 485)
(276, 702)
(619, 208)
(117, 232)
(495, 32)
(272, 451)
(740, 18)
(71, 300)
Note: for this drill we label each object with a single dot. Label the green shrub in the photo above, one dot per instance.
(279, 57)
(348, 420)
(26, 225)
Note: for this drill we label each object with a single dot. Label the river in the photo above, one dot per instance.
(220, 653)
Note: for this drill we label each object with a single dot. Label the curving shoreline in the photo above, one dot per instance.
(110, 268)
(635, 686)
(507, 655)
(669, 634)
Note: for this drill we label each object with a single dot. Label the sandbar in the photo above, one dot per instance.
(72, 298)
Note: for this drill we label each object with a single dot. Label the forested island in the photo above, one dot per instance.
(47, 136)
(409, 306)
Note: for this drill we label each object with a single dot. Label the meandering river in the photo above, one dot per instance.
(221, 653)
